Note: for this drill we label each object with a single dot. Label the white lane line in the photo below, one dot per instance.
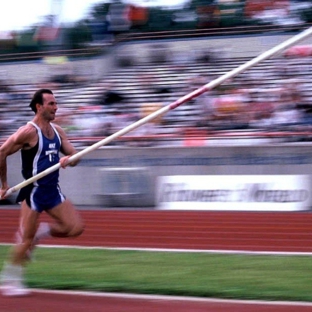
(208, 251)
(171, 298)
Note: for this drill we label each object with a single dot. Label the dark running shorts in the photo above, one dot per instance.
(40, 198)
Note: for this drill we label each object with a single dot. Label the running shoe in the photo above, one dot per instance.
(14, 289)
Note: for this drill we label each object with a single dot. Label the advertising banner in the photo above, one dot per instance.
(234, 192)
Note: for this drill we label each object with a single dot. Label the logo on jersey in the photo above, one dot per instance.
(52, 152)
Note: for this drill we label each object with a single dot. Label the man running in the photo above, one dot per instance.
(40, 142)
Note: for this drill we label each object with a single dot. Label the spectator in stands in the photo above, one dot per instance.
(302, 104)
(65, 120)
(286, 114)
(148, 83)
(110, 96)
(150, 128)
(6, 93)
(231, 110)
(205, 105)
(118, 120)
(261, 110)
(90, 121)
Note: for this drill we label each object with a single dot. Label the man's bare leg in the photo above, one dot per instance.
(68, 222)
(25, 235)
(12, 273)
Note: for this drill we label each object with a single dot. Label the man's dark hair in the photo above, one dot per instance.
(38, 98)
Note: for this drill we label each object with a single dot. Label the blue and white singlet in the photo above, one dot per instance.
(44, 193)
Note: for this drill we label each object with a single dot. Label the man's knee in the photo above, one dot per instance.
(77, 230)
(73, 230)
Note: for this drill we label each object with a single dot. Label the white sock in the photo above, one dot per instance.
(43, 231)
(12, 272)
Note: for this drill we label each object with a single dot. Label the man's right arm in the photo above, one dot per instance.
(15, 142)
(3, 171)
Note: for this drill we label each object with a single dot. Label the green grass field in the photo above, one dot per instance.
(191, 274)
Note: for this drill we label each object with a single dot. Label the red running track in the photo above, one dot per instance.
(70, 302)
(248, 231)
(242, 231)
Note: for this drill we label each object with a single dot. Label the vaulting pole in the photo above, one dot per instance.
(207, 87)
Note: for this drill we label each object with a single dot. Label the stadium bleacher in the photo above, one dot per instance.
(164, 82)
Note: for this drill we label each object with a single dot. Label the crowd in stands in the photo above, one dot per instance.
(275, 95)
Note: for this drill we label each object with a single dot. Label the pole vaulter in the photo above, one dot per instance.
(207, 87)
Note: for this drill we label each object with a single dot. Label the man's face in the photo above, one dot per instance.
(49, 107)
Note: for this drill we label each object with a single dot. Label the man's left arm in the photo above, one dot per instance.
(67, 149)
